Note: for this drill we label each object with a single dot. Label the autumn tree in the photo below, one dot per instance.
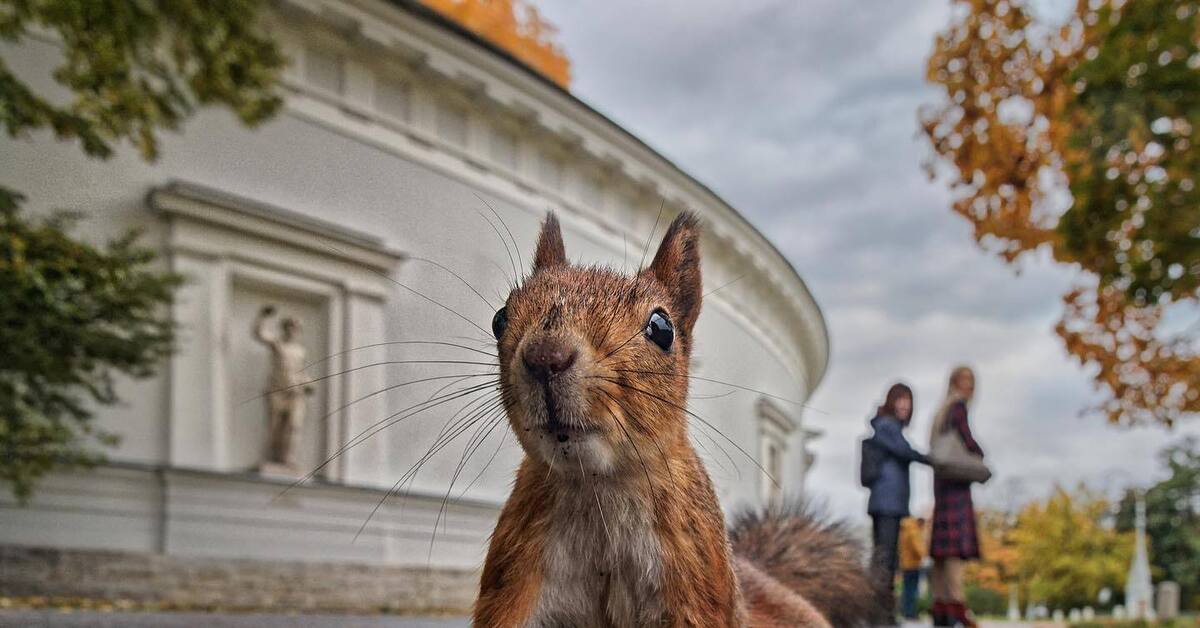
(1067, 550)
(74, 315)
(516, 27)
(1079, 136)
(997, 567)
(1061, 550)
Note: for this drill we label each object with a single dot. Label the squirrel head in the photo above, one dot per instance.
(594, 363)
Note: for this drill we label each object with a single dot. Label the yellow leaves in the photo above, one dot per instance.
(1149, 379)
(1060, 550)
(989, 61)
(1082, 129)
(529, 39)
(1067, 552)
(998, 566)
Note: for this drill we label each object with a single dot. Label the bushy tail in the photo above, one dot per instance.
(811, 555)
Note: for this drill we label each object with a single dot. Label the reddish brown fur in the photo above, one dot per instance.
(772, 605)
(550, 250)
(817, 559)
(617, 412)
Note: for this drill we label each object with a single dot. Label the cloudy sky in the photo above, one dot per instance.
(803, 115)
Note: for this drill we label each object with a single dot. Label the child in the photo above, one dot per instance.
(912, 554)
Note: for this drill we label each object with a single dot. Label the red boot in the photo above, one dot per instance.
(939, 612)
(959, 615)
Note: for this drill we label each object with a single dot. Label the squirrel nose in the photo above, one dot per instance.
(548, 356)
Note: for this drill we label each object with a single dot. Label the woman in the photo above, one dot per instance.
(953, 538)
(888, 503)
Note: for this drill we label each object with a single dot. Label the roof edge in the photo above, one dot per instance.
(432, 17)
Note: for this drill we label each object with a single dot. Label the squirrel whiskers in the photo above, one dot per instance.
(613, 520)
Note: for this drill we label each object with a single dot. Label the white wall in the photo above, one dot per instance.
(302, 162)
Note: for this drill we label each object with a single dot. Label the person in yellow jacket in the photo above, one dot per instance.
(912, 554)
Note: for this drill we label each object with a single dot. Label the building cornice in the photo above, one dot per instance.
(779, 420)
(426, 45)
(197, 203)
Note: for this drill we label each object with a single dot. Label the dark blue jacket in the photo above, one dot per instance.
(889, 493)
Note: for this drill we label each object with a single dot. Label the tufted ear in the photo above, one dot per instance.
(550, 249)
(677, 266)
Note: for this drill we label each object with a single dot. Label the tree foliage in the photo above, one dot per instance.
(1080, 138)
(1173, 520)
(1068, 551)
(136, 67)
(1060, 551)
(997, 567)
(74, 316)
(528, 37)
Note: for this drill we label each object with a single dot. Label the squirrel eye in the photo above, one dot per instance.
(500, 322)
(659, 330)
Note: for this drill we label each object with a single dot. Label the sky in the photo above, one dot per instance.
(803, 115)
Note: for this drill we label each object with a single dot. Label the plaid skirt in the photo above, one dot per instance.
(953, 534)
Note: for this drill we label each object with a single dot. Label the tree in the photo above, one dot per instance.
(1173, 519)
(997, 567)
(136, 67)
(529, 37)
(1067, 550)
(1080, 138)
(1060, 551)
(74, 315)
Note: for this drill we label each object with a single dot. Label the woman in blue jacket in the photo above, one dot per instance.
(888, 503)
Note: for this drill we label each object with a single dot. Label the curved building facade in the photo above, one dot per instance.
(412, 163)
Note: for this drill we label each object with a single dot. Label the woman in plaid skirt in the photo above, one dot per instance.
(953, 538)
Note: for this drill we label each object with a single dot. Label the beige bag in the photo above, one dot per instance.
(953, 461)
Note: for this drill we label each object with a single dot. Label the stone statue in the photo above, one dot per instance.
(286, 390)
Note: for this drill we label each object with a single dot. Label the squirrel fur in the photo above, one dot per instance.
(613, 520)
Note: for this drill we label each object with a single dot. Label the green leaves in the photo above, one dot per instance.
(1105, 106)
(1067, 550)
(73, 317)
(134, 68)
(1132, 164)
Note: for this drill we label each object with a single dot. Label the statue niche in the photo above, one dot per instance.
(287, 394)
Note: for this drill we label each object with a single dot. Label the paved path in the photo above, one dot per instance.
(97, 619)
(996, 624)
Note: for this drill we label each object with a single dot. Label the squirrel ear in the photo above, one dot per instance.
(677, 266)
(550, 249)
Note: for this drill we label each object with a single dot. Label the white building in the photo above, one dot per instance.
(397, 124)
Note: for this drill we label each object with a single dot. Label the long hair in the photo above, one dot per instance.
(953, 396)
(894, 394)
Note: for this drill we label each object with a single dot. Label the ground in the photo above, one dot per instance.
(102, 619)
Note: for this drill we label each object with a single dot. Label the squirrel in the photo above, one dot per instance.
(612, 519)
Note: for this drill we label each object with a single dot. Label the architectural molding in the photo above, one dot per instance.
(183, 511)
(221, 242)
(359, 143)
(775, 418)
(775, 427)
(180, 200)
(459, 67)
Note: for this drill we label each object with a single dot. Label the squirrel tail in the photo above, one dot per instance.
(811, 555)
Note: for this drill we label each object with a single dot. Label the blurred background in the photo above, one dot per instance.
(890, 189)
